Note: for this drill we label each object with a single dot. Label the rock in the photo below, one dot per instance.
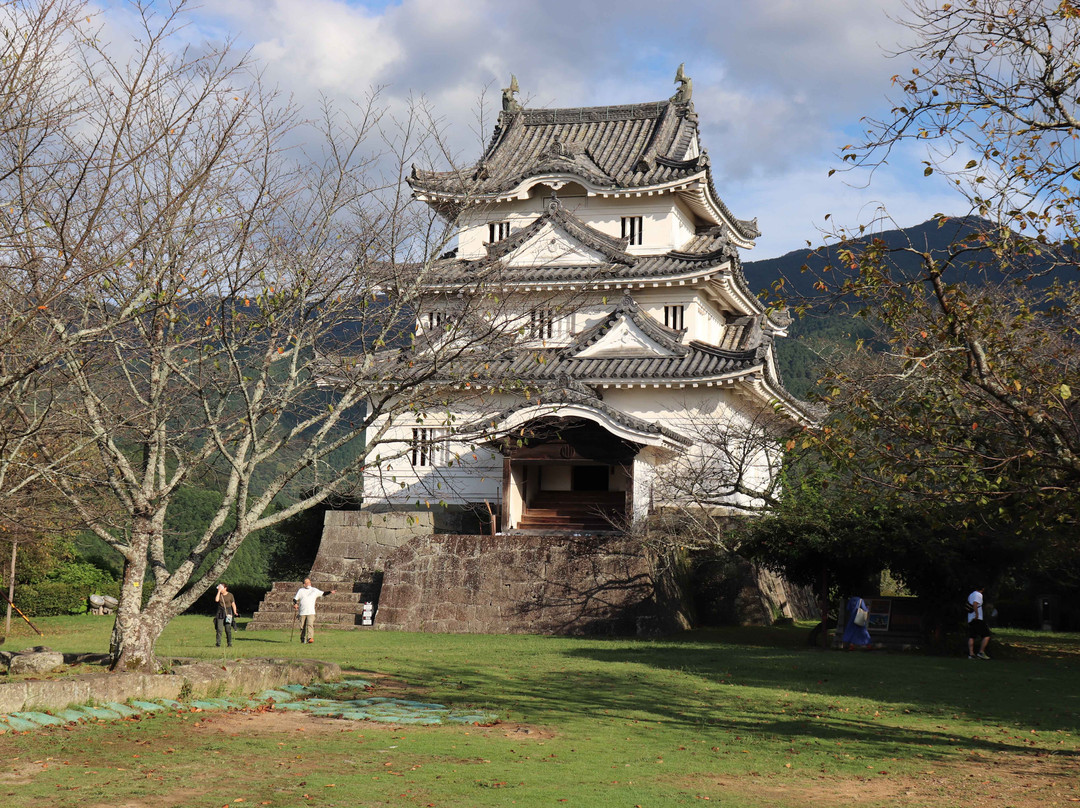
(5, 661)
(35, 662)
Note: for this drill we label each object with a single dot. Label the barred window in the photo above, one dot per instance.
(631, 229)
(542, 323)
(428, 446)
(674, 317)
(497, 231)
(436, 319)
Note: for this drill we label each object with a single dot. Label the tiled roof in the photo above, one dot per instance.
(622, 267)
(618, 144)
(613, 148)
(698, 362)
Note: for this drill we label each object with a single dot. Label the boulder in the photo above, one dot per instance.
(35, 662)
(5, 661)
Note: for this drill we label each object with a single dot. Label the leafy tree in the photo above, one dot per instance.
(972, 405)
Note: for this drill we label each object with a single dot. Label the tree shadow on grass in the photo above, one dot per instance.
(883, 704)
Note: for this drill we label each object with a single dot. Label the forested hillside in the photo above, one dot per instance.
(829, 324)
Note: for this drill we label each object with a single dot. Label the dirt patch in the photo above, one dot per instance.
(269, 722)
(17, 774)
(528, 732)
(189, 796)
(1019, 781)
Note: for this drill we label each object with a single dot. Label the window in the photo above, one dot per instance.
(436, 319)
(542, 323)
(428, 446)
(631, 229)
(497, 231)
(673, 317)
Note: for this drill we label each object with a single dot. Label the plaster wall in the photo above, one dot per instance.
(469, 472)
(575, 313)
(667, 223)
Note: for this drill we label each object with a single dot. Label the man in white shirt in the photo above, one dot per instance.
(304, 604)
(977, 628)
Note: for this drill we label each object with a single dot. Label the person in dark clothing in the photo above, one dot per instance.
(977, 628)
(226, 614)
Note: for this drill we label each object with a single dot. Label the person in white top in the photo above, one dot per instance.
(977, 628)
(304, 605)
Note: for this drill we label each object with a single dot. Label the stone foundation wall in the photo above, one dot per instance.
(356, 543)
(517, 584)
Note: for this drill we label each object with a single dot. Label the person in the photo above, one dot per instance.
(304, 606)
(977, 628)
(855, 634)
(226, 614)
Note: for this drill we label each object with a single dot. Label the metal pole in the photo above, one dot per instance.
(11, 589)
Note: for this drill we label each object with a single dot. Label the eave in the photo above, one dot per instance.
(696, 191)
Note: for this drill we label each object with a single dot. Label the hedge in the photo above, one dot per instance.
(51, 598)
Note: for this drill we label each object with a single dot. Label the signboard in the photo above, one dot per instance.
(880, 614)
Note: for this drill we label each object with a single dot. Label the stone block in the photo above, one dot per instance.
(35, 662)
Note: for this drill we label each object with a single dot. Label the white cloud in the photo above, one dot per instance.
(776, 82)
(310, 46)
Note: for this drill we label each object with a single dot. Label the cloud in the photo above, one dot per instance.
(777, 83)
(309, 46)
(805, 204)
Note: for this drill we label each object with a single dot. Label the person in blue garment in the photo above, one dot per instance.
(855, 635)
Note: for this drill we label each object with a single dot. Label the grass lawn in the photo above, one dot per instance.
(736, 717)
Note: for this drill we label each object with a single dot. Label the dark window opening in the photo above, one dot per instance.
(589, 478)
(674, 317)
(497, 231)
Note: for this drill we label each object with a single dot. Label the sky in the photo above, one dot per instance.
(780, 86)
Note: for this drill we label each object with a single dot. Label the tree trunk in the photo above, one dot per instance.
(133, 641)
(136, 630)
(11, 590)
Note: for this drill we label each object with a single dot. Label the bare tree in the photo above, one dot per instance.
(738, 467)
(229, 312)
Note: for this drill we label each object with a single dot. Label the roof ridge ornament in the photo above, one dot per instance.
(510, 104)
(686, 87)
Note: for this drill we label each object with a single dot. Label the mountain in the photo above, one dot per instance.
(821, 329)
(934, 236)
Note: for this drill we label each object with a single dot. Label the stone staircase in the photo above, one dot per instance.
(342, 610)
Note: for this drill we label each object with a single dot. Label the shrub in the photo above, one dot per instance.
(50, 598)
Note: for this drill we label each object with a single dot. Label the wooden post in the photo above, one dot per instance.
(508, 481)
(11, 589)
(824, 607)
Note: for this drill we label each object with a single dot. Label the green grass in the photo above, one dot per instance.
(740, 717)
